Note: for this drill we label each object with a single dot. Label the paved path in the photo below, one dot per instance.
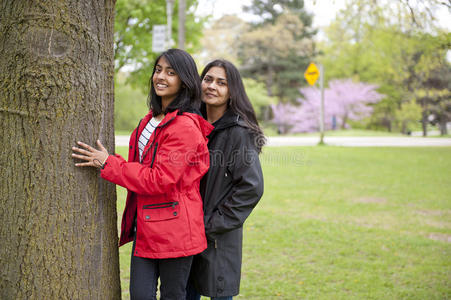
(354, 141)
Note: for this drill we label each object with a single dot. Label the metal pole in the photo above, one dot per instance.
(169, 40)
(182, 19)
(321, 123)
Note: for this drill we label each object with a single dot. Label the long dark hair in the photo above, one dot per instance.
(188, 98)
(239, 102)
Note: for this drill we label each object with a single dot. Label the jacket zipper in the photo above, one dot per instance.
(161, 205)
(154, 154)
(136, 139)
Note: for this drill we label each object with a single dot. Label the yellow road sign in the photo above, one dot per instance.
(311, 74)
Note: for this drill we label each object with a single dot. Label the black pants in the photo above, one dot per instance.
(173, 273)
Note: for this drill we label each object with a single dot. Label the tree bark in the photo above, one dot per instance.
(58, 223)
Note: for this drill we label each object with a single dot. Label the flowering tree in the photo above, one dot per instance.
(349, 100)
(344, 100)
(285, 116)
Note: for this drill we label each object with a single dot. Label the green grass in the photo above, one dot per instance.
(346, 223)
(123, 132)
(269, 131)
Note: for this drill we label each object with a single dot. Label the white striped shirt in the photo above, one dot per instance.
(145, 135)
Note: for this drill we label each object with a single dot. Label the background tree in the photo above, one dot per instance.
(58, 224)
(344, 100)
(129, 105)
(270, 10)
(278, 46)
(220, 40)
(260, 100)
(408, 114)
(386, 43)
(133, 34)
(285, 116)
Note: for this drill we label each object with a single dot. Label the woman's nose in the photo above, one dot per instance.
(212, 85)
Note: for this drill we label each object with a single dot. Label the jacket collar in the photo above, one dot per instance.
(167, 118)
(203, 125)
(229, 119)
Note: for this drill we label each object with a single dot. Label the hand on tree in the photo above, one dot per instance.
(93, 157)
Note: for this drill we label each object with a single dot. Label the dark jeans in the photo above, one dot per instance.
(173, 273)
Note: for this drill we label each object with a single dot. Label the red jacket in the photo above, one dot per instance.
(163, 190)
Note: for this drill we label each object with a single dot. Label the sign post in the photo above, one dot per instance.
(311, 75)
(169, 6)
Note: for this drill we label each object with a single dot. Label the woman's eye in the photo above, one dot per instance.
(207, 79)
(171, 73)
(222, 83)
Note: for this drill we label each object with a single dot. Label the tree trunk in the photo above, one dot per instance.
(404, 127)
(344, 121)
(58, 223)
(442, 126)
(424, 123)
(182, 21)
(270, 80)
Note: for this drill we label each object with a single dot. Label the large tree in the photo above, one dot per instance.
(278, 47)
(58, 224)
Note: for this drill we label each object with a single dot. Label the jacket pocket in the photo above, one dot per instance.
(161, 211)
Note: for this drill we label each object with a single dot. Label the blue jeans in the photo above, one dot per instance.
(192, 294)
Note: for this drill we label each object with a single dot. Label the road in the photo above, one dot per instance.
(355, 141)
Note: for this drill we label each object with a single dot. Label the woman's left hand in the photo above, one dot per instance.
(93, 157)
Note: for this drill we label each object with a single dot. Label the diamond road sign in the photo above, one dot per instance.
(311, 74)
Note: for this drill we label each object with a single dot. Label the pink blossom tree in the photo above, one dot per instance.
(284, 116)
(349, 100)
(344, 100)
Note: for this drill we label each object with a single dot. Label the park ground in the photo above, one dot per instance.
(345, 223)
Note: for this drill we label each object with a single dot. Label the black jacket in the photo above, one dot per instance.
(230, 190)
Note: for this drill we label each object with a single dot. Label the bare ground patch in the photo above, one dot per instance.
(370, 200)
(440, 237)
(433, 212)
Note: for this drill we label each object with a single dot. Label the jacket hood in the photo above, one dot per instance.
(229, 119)
(201, 123)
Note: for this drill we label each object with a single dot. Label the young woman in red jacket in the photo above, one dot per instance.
(167, 158)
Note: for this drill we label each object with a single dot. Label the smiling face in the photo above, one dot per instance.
(215, 90)
(165, 81)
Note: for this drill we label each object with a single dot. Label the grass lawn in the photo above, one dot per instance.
(346, 223)
(269, 131)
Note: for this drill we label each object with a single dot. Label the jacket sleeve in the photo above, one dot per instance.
(247, 180)
(177, 151)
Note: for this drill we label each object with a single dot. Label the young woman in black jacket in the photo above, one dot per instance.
(233, 185)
